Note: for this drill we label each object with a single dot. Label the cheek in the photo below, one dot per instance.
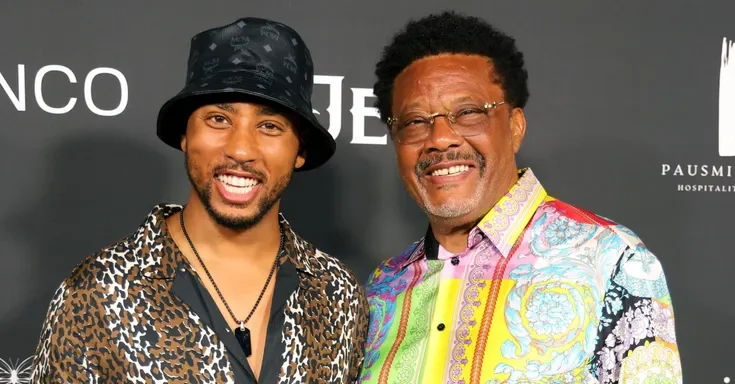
(406, 160)
(204, 151)
(279, 152)
(202, 142)
(196, 166)
(496, 146)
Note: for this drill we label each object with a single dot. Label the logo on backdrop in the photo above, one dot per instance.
(727, 99)
(19, 99)
(726, 136)
(360, 112)
(18, 94)
(18, 372)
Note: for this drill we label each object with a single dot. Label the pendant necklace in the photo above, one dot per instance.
(242, 333)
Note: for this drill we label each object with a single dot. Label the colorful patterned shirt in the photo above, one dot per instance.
(544, 293)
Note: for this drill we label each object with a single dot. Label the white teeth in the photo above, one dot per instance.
(451, 170)
(237, 184)
(238, 190)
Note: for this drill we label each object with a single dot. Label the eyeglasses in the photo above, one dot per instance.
(466, 120)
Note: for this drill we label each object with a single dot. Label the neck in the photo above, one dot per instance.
(453, 233)
(254, 243)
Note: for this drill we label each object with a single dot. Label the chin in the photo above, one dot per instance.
(235, 216)
(236, 212)
(454, 203)
(237, 220)
(449, 209)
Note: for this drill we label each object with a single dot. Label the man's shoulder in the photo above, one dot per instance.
(330, 264)
(126, 257)
(321, 262)
(627, 260)
(573, 213)
(621, 253)
(101, 267)
(392, 266)
(558, 209)
(405, 255)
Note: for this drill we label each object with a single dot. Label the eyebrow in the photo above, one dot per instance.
(265, 110)
(226, 107)
(462, 99)
(269, 111)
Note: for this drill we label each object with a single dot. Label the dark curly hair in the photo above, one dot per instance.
(450, 32)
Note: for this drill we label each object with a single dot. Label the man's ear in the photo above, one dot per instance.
(301, 134)
(300, 159)
(517, 128)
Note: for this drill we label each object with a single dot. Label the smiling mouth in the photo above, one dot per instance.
(237, 184)
(450, 171)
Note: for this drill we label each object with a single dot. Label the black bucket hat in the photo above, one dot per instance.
(251, 58)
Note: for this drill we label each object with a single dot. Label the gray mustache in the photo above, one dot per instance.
(425, 163)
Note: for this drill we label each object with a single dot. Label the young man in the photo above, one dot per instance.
(509, 285)
(222, 290)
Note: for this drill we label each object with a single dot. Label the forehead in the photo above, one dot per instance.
(241, 105)
(444, 78)
(247, 107)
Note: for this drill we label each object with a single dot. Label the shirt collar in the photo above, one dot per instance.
(512, 213)
(160, 258)
(503, 224)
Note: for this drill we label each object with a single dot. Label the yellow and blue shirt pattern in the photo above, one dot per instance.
(544, 293)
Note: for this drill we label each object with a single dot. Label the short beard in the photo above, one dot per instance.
(451, 209)
(204, 188)
(454, 208)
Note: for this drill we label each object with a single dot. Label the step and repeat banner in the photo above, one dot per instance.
(631, 115)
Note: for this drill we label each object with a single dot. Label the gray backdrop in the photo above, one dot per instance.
(621, 94)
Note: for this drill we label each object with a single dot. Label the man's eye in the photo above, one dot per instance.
(219, 119)
(415, 121)
(469, 111)
(271, 128)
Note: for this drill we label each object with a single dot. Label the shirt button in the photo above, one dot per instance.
(440, 326)
(455, 260)
(227, 330)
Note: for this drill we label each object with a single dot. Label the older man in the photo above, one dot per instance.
(509, 285)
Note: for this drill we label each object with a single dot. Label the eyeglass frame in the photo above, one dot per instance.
(487, 107)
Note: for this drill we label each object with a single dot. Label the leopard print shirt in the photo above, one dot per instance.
(114, 319)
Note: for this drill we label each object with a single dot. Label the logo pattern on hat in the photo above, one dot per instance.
(272, 52)
(257, 57)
